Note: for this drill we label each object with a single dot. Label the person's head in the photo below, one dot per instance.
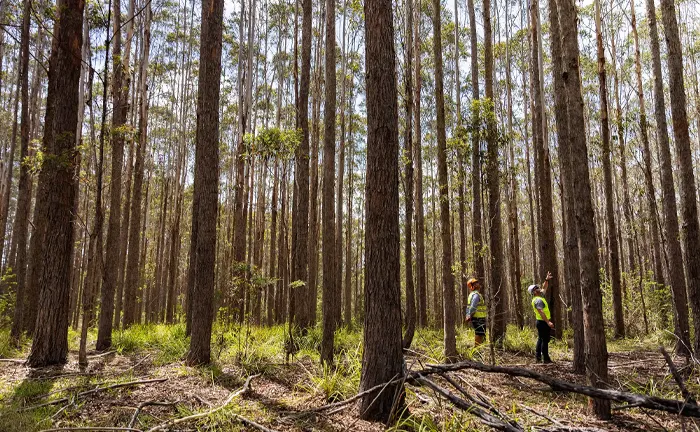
(473, 284)
(534, 290)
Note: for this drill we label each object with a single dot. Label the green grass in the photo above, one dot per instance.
(168, 342)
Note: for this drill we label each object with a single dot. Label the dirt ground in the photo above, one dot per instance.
(281, 394)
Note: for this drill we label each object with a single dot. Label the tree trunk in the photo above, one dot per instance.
(410, 321)
(688, 193)
(382, 358)
(476, 150)
(132, 291)
(646, 153)
(421, 269)
(571, 254)
(596, 350)
(50, 344)
(607, 175)
(330, 265)
(300, 211)
(23, 193)
(671, 229)
(498, 286)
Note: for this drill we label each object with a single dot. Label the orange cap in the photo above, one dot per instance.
(471, 282)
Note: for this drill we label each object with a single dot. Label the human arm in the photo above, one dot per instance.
(544, 318)
(539, 307)
(473, 305)
(545, 284)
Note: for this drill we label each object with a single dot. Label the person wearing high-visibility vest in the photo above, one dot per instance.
(543, 316)
(476, 311)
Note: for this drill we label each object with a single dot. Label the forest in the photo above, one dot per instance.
(296, 215)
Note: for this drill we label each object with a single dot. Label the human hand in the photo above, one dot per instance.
(550, 324)
(469, 318)
(549, 276)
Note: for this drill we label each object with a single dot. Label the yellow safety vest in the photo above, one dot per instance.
(480, 308)
(545, 310)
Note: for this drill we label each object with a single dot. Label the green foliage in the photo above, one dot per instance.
(272, 142)
(168, 342)
(7, 300)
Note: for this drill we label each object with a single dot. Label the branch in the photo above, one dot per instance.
(486, 418)
(92, 428)
(142, 405)
(683, 408)
(233, 395)
(677, 376)
(97, 390)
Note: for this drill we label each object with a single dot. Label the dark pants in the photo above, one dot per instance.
(479, 325)
(543, 336)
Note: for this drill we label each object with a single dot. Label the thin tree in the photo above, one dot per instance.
(50, 343)
(688, 193)
(382, 358)
(421, 268)
(618, 313)
(331, 296)
(498, 286)
(410, 321)
(448, 288)
(670, 209)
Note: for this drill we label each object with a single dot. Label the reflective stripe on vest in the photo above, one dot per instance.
(480, 307)
(545, 310)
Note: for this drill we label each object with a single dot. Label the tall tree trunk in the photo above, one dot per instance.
(382, 358)
(341, 182)
(50, 344)
(476, 150)
(498, 285)
(688, 193)
(300, 219)
(132, 291)
(571, 254)
(331, 296)
(596, 349)
(20, 228)
(421, 268)
(410, 320)
(613, 256)
(646, 153)
(671, 229)
(448, 286)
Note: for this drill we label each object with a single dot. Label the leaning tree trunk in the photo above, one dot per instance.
(596, 349)
(50, 344)
(671, 229)
(382, 359)
(646, 154)
(689, 206)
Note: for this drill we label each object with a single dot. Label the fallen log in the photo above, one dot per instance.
(684, 408)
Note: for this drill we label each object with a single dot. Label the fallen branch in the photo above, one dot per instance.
(486, 417)
(93, 391)
(104, 354)
(677, 376)
(18, 361)
(142, 405)
(652, 402)
(233, 395)
(92, 428)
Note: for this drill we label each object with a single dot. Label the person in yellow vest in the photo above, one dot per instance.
(476, 311)
(543, 316)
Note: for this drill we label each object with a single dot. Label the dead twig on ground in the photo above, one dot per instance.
(18, 361)
(100, 355)
(97, 390)
(233, 395)
(142, 405)
(92, 428)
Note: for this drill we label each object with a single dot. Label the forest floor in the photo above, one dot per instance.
(34, 400)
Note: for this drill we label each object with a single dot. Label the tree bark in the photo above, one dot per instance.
(596, 350)
(50, 344)
(330, 265)
(382, 358)
(498, 286)
(688, 194)
(671, 229)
